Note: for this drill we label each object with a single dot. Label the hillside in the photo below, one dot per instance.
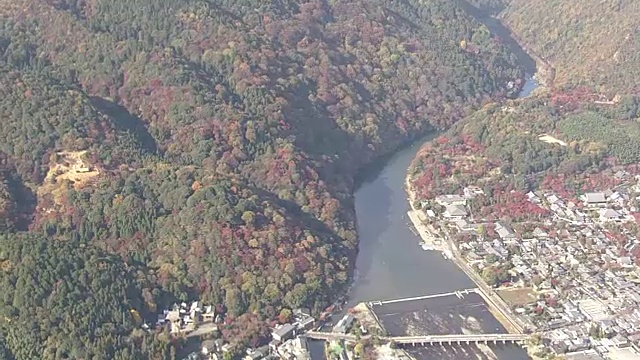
(528, 145)
(209, 146)
(589, 42)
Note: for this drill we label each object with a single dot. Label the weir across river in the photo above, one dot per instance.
(458, 293)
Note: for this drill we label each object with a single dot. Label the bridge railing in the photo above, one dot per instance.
(455, 338)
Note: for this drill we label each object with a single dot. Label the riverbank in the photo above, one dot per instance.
(496, 304)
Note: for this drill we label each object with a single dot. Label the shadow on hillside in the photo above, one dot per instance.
(25, 200)
(125, 121)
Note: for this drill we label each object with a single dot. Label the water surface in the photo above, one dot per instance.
(391, 265)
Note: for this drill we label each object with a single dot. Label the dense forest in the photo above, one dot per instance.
(592, 43)
(158, 151)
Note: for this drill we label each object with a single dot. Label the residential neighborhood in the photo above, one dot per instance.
(568, 274)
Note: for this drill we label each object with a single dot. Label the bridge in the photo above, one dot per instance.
(458, 293)
(425, 340)
(460, 339)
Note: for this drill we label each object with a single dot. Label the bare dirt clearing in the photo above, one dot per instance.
(66, 168)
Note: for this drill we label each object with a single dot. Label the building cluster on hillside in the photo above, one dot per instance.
(579, 261)
(184, 318)
(288, 340)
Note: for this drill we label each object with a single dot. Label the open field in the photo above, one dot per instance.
(517, 297)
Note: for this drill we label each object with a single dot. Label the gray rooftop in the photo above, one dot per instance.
(595, 197)
(284, 330)
(456, 210)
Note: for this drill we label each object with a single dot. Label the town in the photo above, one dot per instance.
(568, 278)
(194, 320)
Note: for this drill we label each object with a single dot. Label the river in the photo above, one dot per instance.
(390, 263)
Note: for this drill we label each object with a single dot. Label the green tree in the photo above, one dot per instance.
(491, 259)
(227, 355)
(489, 275)
(285, 315)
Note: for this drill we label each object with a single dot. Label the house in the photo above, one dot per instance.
(552, 199)
(302, 313)
(594, 199)
(348, 321)
(625, 261)
(209, 313)
(610, 215)
(584, 355)
(306, 324)
(533, 197)
(539, 233)
(445, 200)
(472, 191)
(173, 316)
(208, 346)
(344, 324)
(621, 341)
(464, 226)
(194, 307)
(505, 231)
(258, 353)
(273, 345)
(620, 174)
(284, 332)
(456, 212)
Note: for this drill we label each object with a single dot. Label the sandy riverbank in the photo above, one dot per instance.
(410, 191)
(418, 218)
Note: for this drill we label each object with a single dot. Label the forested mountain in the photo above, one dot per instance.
(61, 301)
(589, 42)
(165, 150)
